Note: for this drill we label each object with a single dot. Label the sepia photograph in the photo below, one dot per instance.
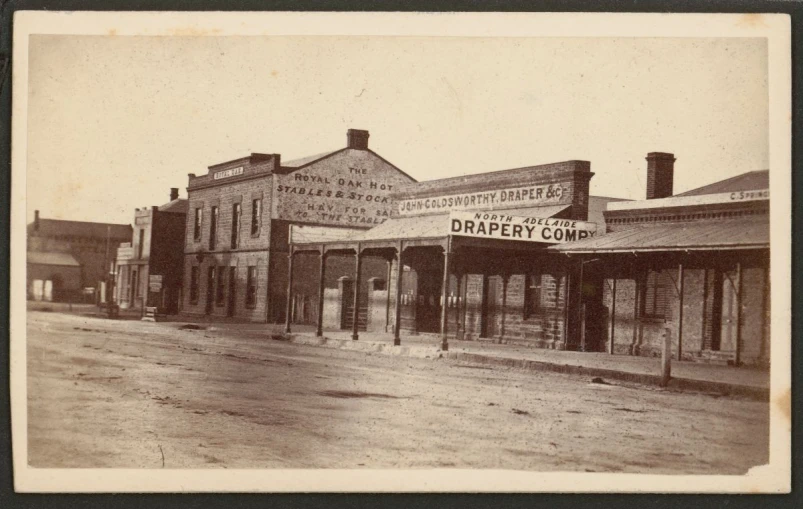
(401, 252)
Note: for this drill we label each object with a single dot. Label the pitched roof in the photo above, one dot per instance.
(61, 227)
(52, 258)
(303, 161)
(759, 179)
(741, 233)
(177, 206)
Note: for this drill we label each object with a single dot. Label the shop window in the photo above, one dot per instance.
(199, 219)
(655, 295)
(256, 217)
(251, 288)
(195, 276)
(235, 225)
(540, 293)
(213, 228)
(220, 290)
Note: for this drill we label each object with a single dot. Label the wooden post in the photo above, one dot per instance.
(505, 276)
(612, 317)
(666, 358)
(444, 296)
(583, 327)
(680, 310)
(397, 304)
(458, 301)
(567, 303)
(355, 326)
(289, 309)
(739, 314)
(389, 262)
(321, 291)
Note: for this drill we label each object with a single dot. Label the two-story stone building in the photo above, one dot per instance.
(240, 216)
(149, 268)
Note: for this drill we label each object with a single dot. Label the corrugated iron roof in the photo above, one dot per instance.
(52, 258)
(741, 233)
(749, 181)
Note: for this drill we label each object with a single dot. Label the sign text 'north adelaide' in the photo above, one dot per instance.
(531, 229)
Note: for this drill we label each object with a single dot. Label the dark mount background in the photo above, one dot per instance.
(9, 499)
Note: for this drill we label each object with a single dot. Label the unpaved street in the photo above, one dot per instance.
(136, 394)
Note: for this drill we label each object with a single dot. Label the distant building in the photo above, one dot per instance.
(70, 260)
(149, 267)
(695, 264)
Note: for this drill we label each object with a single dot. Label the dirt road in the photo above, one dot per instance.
(136, 394)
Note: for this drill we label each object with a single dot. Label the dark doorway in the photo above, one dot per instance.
(232, 302)
(210, 289)
(347, 308)
(594, 313)
(491, 298)
(428, 303)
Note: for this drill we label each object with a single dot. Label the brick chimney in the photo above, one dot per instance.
(660, 174)
(357, 139)
(173, 193)
(36, 220)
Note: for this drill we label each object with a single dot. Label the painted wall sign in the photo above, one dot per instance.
(528, 195)
(155, 283)
(531, 229)
(231, 172)
(348, 189)
(685, 201)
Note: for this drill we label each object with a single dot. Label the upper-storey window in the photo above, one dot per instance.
(256, 217)
(199, 219)
(236, 211)
(213, 222)
(141, 242)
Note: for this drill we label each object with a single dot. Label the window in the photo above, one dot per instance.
(199, 219)
(235, 225)
(655, 295)
(541, 291)
(141, 242)
(220, 292)
(251, 292)
(256, 217)
(195, 276)
(213, 228)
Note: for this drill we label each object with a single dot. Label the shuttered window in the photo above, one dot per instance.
(251, 288)
(195, 277)
(655, 295)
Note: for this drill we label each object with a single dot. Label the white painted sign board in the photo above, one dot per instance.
(547, 230)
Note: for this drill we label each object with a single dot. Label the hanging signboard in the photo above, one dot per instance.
(548, 230)
(155, 283)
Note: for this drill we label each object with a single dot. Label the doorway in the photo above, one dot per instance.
(232, 301)
(210, 289)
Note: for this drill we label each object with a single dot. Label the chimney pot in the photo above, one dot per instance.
(660, 174)
(173, 193)
(36, 220)
(357, 139)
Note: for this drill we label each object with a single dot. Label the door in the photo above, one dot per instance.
(232, 302)
(492, 295)
(210, 289)
(729, 318)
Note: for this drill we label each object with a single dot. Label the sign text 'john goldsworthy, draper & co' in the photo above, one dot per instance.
(528, 195)
(531, 229)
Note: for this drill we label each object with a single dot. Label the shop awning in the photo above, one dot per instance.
(52, 258)
(741, 233)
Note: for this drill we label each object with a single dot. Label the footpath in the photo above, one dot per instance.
(686, 376)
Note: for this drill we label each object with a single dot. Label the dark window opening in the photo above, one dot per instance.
(213, 228)
(141, 242)
(251, 288)
(199, 218)
(235, 225)
(256, 217)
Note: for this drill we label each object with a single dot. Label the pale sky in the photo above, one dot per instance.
(115, 121)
